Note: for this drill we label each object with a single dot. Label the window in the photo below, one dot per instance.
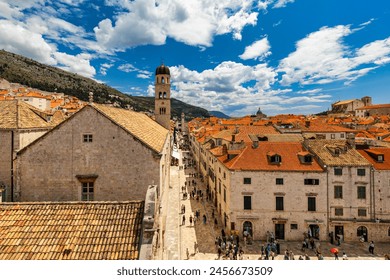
(338, 171)
(342, 135)
(224, 194)
(361, 172)
(219, 187)
(247, 181)
(332, 136)
(338, 211)
(224, 175)
(294, 226)
(361, 192)
(312, 181)
(279, 203)
(276, 159)
(380, 158)
(338, 191)
(307, 159)
(279, 181)
(87, 138)
(362, 212)
(247, 202)
(311, 204)
(87, 191)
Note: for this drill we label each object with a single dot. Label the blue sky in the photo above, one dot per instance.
(284, 56)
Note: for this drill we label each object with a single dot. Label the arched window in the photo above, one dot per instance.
(165, 95)
(362, 232)
(162, 110)
(160, 95)
(162, 80)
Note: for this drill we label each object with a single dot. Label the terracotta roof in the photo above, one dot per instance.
(70, 230)
(16, 114)
(140, 125)
(369, 154)
(325, 150)
(257, 158)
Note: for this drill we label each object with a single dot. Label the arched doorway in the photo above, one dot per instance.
(315, 231)
(362, 232)
(247, 226)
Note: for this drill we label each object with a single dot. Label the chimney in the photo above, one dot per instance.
(351, 140)
(233, 138)
(307, 123)
(224, 149)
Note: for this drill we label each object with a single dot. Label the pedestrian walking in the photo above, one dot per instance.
(345, 257)
(371, 247)
(183, 222)
(196, 248)
(188, 254)
(204, 219)
(190, 220)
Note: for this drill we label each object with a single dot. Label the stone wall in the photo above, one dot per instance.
(122, 165)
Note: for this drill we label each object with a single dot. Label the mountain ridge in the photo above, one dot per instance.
(25, 71)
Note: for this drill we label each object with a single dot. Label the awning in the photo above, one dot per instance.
(175, 154)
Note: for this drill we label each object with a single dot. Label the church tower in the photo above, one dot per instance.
(162, 96)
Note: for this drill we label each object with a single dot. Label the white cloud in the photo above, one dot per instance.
(17, 39)
(282, 3)
(193, 22)
(258, 50)
(229, 87)
(104, 67)
(142, 74)
(322, 57)
(79, 64)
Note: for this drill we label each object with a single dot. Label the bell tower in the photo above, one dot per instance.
(162, 96)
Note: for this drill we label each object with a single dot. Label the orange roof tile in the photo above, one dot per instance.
(385, 165)
(256, 158)
(70, 230)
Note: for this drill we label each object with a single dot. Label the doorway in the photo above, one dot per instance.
(339, 231)
(248, 228)
(362, 232)
(279, 231)
(315, 231)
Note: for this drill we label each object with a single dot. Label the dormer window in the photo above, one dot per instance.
(274, 158)
(380, 158)
(308, 159)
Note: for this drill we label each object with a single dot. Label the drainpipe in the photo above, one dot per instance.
(12, 165)
(327, 202)
(372, 179)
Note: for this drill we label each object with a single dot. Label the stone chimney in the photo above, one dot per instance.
(351, 140)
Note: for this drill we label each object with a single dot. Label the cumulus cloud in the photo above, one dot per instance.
(323, 57)
(223, 88)
(193, 22)
(79, 64)
(258, 50)
(15, 38)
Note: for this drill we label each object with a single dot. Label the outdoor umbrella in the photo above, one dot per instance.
(334, 250)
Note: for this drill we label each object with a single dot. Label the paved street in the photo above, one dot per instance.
(181, 237)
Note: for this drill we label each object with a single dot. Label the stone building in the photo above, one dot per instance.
(259, 187)
(20, 124)
(373, 110)
(100, 153)
(350, 189)
(379, 157)
(349, 106)
(162, 96)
